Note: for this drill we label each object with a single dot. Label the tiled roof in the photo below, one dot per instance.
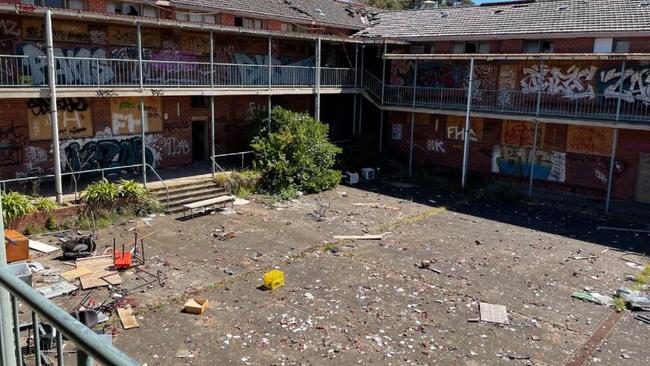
(574, 16)
(326, 12)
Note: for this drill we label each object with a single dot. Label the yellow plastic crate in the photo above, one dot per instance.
(274, 279)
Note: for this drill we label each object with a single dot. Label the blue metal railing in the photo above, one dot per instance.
(89, 344)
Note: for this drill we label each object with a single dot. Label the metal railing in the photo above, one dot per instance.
(372, 84)
(239, 153)
(516, 102)
(88, 343)
(100, 72)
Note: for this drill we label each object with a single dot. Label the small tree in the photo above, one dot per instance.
(295, 155)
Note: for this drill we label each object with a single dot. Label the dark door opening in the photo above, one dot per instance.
(199, 141)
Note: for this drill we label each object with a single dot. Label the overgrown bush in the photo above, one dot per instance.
(101, 194)
(241, 184)
(295, 155)
(16, 205)
(132, 190)
(44, 204)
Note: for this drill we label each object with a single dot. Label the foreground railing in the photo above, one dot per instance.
(24, 71)
(89, 344)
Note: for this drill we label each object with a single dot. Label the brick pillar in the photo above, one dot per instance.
(96, 6)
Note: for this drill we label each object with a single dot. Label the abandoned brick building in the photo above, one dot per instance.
(559, 88)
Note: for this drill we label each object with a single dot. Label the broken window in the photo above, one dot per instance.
(470, 47)
(538, 46)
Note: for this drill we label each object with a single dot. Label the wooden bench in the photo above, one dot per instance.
(209, 203)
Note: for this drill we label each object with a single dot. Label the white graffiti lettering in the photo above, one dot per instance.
(436, 146)
(458, 133)
(637, 89)
(572, 84)
(35, 155)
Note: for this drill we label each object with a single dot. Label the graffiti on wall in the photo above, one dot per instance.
(435, 145)
(98, 37)
(635, 85)
(74, 118)
(9, 33)
(589, 140)
(520, 133)
(126, 116)
(195, 43)
(128, 36)
(516, 161)
(572, 83)
(169, 145)
(62, 31)
(10, 148)
(507, 84)
(68, 70)
(456, 128)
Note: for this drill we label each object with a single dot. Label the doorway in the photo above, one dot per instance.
(199, 141)
(642, 191)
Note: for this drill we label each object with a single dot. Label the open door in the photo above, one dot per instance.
(199, 141)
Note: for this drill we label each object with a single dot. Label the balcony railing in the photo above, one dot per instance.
(25, 71)
(514, 102)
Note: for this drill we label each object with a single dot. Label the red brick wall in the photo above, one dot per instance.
(273, 25)
(574, 45)
(98, 6)
(227, 19)
(167, 13)
(585, 173)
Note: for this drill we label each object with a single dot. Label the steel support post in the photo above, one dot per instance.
(211, 59)
(213, 138)
(415, 82)
(54, 117)
(318, 81)
(383, 87)
(139, 44)
(7, 345)
(467, 125)
(270, 76)
(360, 123)
(612, 160)
(143, 146)
(533, 157)
(356, 85)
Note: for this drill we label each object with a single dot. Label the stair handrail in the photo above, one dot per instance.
(161, 181)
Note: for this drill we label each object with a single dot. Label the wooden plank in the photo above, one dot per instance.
(493, 313)
(76, 273)
(126, 317)
(359, 237)
(42, 247)
(100, 278)
(95, 263)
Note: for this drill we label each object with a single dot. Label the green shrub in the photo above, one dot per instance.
(146, 206)
(44, 204)
(295, 154)
(32, 229)
(102, 193)
(16, 205)
(132, 190)
(52, 224)
(241, 184)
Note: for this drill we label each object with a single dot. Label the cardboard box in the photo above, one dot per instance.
(17, 246)
(196, 306)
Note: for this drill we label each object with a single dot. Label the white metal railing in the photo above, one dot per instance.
(372, 84)
(22, 71)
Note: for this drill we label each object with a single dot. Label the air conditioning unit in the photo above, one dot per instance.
(368, 173)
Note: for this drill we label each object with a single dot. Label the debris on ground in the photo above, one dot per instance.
(273, 279)
(642, 318)
(127, 318)
(593, 297)
(634, 299)
(79, 246)
(360, 237)
(492, 313)
(41, 247)
(56, 289)
(196, 306)
(221, 234)
(427, 264)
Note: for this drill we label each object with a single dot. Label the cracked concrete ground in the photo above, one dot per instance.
(365, 302)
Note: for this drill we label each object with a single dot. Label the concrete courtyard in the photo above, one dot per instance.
(365, 301)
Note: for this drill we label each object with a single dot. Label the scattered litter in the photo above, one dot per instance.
(427, 264)
(78, 247)
(221, 234)
(635, 299)
(590, 257)
(183, 353)
(273, 279)
(493, 313)
(76, 273)
(240, 201)
(35, 267)
(374, 205)
(593, 297)
(56, 289)
(196, 306)
(634, 265)
(434, 202)
(51, 277)
(41, 247)
(353, 177)
(127, 318)
(229, 272)
(309, 296)
(360, 237)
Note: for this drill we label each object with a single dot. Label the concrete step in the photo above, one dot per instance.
(177, 206)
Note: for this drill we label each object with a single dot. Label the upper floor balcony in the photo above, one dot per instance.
(107, 76)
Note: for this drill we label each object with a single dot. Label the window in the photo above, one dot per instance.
(198, 101)
(538, 46)
(470, 47)
(621, 46)
(188, 15)
(287, 27)
(607, 45)
(64, 4)
(248, 23)
(116, 7)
